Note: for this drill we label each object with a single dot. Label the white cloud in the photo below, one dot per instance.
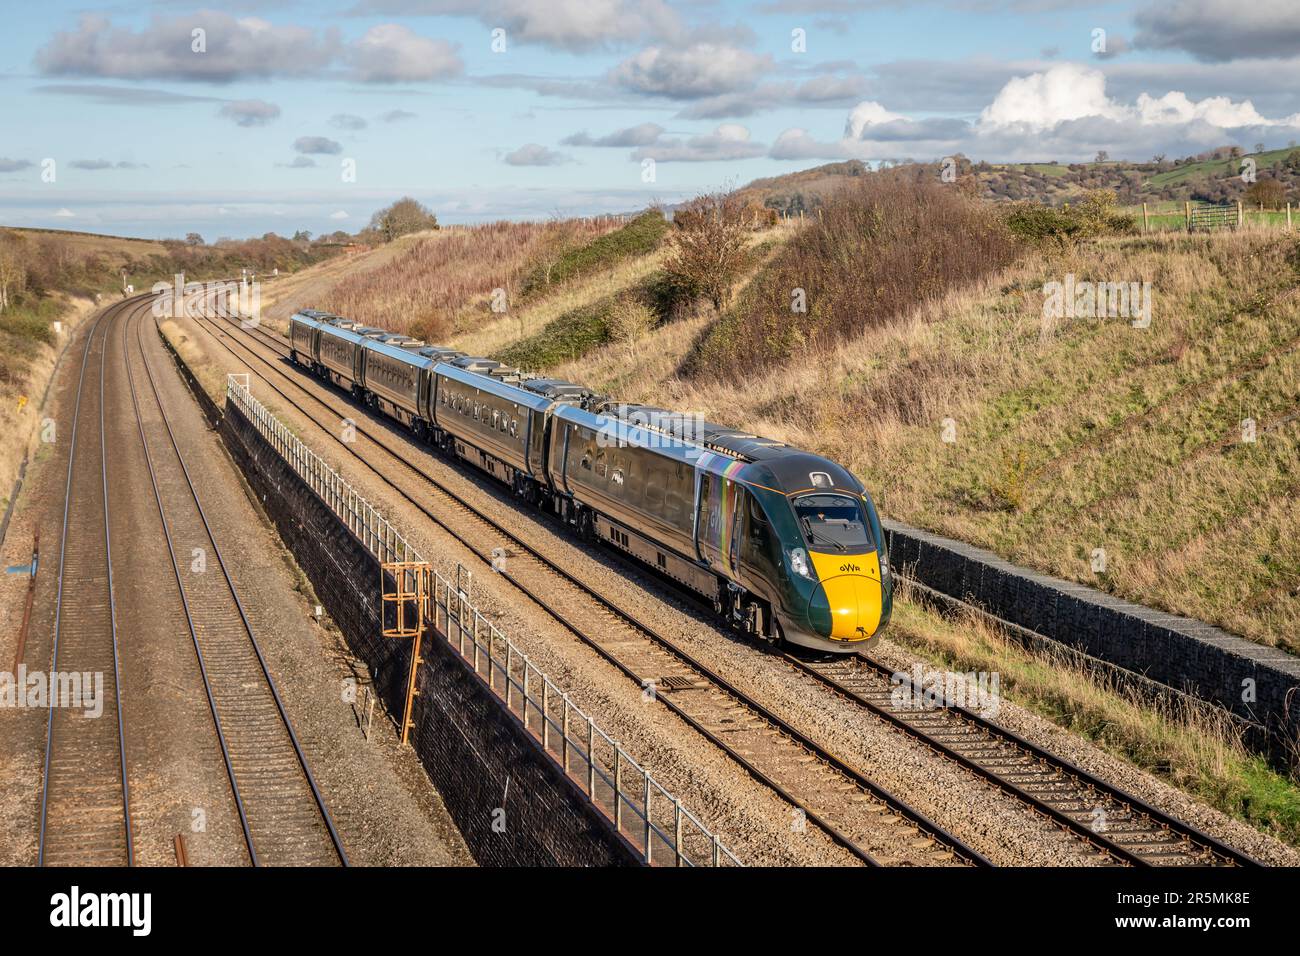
(65, 213)
(1041, 100)
(866, 114)
(339, 215)
(392, 53)
(250, 112)
(561, 24)
(643, 134)
(235, 48)
(730, 141)
(692, 72)
(317, 145)
(1061, 112)
(535, 154)
(242, 48)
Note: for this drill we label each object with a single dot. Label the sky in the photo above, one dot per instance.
(160, 119)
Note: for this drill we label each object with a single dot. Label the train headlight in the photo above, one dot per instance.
(799, 562)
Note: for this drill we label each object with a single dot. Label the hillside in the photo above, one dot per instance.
(1214, 176)
(49, 276)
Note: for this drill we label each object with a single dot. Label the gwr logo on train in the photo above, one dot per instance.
(783, 544)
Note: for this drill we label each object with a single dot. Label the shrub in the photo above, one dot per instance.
(880, 247)
(709, 245)
(639, 237)
(1094, 215)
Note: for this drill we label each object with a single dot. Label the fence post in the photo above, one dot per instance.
(645, 808)
(1288, 217)
(1240, 215)
(677, 829)
(618, 788)
(1146, 220)
(564, 731)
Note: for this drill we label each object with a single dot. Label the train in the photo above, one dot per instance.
(786, 546)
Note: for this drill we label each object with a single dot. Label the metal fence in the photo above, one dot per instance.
(1207, 216)
(641, 808)
(371, 528)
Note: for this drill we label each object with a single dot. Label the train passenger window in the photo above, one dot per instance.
(477, 412)
(756, 511)
(496, 418)
(586, 460)
(514, 428)
(600, 463)
(617, 476)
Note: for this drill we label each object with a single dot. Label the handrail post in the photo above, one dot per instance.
(618, 787)
(645, 806)
(546, 722)
(564, 732)
(591, 759)
(677, 829)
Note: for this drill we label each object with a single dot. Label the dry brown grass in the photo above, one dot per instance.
(424, 289)
(25, 370)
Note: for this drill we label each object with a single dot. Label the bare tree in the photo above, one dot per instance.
(709, 246)
(13, 274)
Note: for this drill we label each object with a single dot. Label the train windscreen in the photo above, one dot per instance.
(832, 522)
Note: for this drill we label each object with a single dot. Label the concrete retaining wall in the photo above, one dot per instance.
(1176, 652)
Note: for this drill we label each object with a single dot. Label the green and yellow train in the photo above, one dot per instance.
(785, 545)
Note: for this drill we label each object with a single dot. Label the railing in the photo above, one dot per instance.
(649, 816)
(370, 527)
(641, 808)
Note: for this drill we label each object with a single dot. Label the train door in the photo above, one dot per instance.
(718, 515)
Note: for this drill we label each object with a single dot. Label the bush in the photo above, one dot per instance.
(572, 335)
(628, 321)
(1094, 215)
(880, 247)
(709, 246)
(639, 237)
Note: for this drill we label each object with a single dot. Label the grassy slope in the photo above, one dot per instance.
(28, 343)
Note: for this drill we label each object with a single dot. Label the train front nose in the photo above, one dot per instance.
(845, 606)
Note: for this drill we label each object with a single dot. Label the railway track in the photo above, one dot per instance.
(1110, 825)
(873, 825)
(282, 814)
(85, 791)
(1118, 827)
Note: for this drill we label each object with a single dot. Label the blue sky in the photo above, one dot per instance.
(117, 119)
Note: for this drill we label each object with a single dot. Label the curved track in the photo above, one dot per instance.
(281, 812)
(85, 793)
(86, 811)
(1117, 825)
(873, 825)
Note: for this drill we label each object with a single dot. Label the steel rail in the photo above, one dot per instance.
(110, 311)
(189, 618)
(1079, 779)
(782, 727)
(247, 625)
